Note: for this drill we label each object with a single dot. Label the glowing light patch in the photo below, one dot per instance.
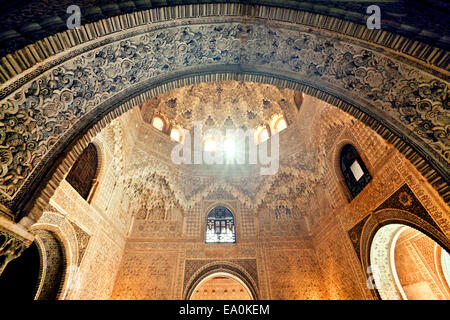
(158, 123)
(264, 135)
(210, 144)
(176, 135)
(357, 170)
(229, 147)
(280, 125)
(445, 259)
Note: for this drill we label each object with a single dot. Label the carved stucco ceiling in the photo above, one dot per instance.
(225, 104)
(40, 117)
(154, 186)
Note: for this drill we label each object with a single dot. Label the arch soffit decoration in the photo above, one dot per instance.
(99, 144)
(66, 97)
(64, 232)
(57, 224)
(385, 217)
(53, 274)
(101, 157)
(220, 267)
(56, 227)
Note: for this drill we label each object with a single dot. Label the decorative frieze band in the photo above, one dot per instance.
(41, 120)
(15, 63)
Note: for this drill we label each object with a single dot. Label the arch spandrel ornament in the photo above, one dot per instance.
(44, 116)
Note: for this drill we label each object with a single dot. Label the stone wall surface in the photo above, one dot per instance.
(141, 235)
(307, 256)
(94, 232)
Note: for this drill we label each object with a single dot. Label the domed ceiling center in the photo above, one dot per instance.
(223, 105)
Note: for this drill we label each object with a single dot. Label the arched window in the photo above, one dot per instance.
(158, 123)
(220, 226)
(176, 134)
(298, 99)
(263, 135)
(278, 123)
(210, 144)
(355, 172)
(84, 172)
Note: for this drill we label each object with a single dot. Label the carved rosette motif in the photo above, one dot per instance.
(44, 114)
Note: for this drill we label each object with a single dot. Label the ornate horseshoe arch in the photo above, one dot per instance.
(55, 107)
(225, 267)
(387, 217)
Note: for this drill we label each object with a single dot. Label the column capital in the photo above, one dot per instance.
(14, 239)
